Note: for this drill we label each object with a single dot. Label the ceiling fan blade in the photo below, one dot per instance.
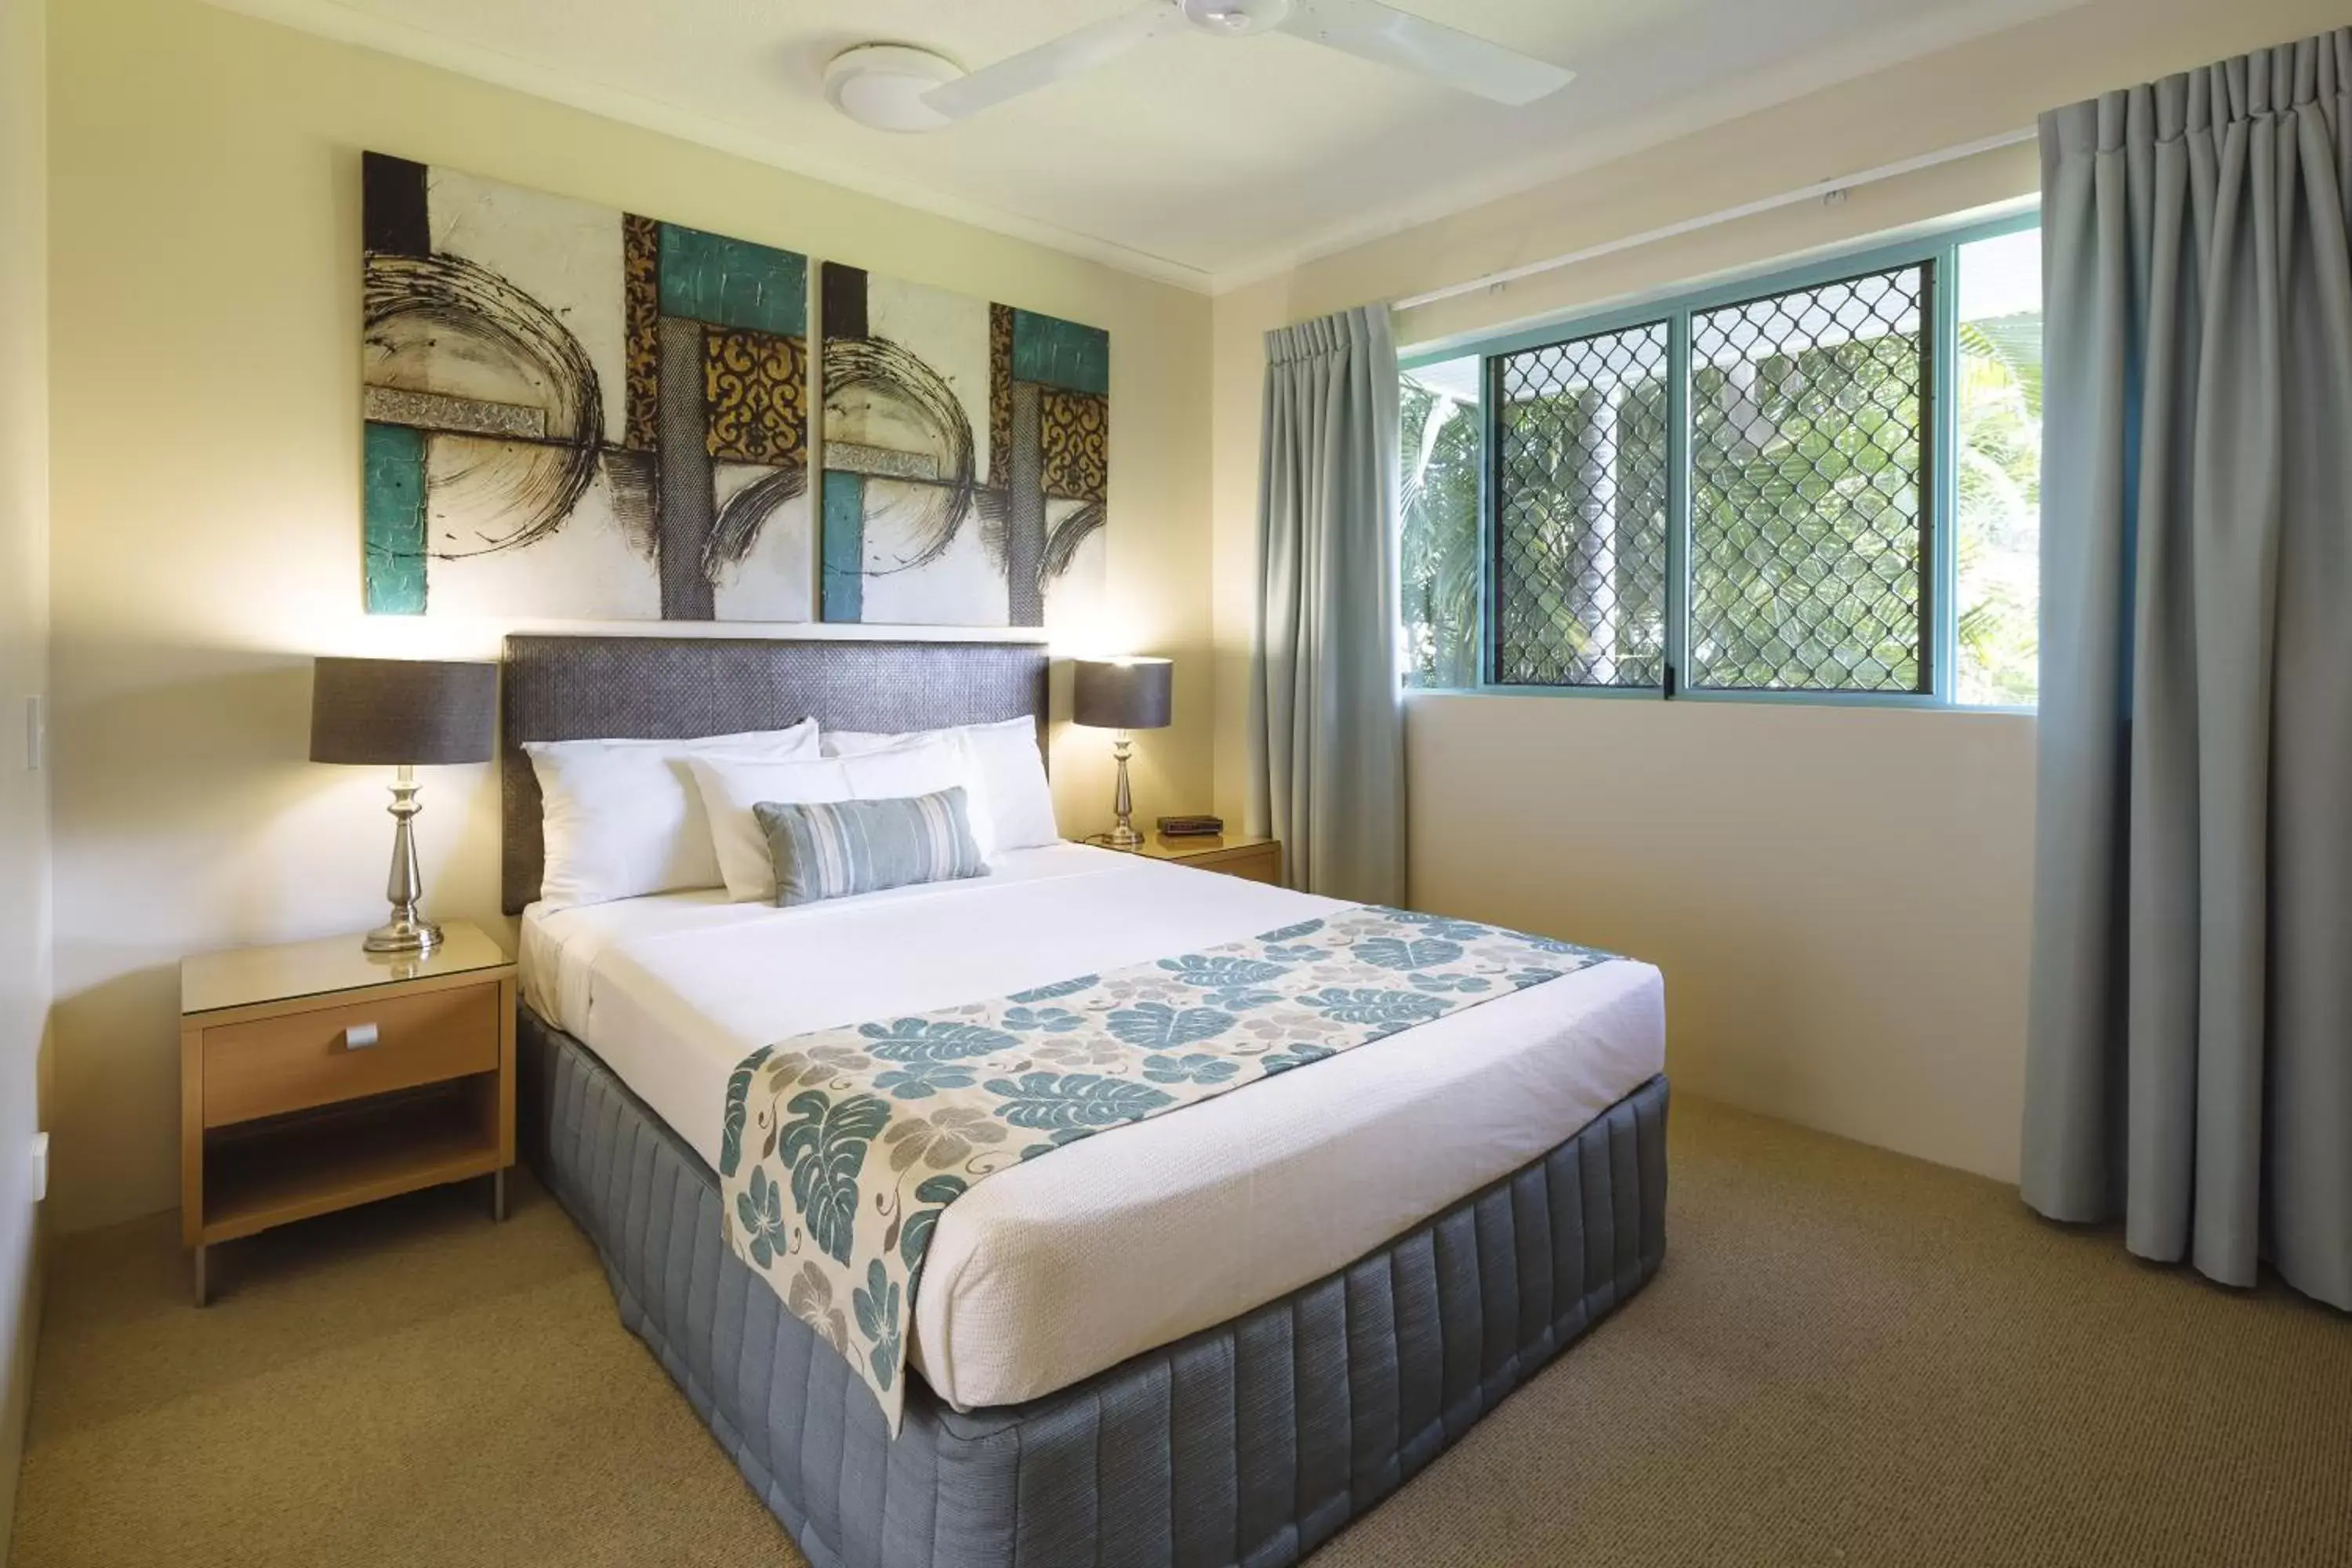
(1382, 32)
(1047, 63)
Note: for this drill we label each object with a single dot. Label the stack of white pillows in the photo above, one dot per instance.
(624, 818)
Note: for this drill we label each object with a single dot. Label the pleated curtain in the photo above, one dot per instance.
(2190, 1061)
(1327, 719)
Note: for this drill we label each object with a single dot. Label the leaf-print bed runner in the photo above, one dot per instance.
(841, 1148)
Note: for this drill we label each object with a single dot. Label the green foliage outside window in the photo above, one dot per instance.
(1438, 564)
(1998, 459)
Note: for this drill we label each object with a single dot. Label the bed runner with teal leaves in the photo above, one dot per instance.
(842, 1147)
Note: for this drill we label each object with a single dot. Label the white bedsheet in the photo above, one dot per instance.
(1052, 1270)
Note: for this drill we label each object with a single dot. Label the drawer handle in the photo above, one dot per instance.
(359, 1036)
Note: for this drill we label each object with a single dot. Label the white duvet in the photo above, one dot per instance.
(1053, 1270)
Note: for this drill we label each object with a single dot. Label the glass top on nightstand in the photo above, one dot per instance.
(1178, 846)
(241, 977)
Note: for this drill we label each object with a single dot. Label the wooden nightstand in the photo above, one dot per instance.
(317, 1075)
(1235, 855)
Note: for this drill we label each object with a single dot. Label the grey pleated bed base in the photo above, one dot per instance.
(1252, 1442)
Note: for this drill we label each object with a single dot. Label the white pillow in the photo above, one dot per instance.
(857, 742)
(731, 786)
(1009, 793)
(924, 764)
(622, 818)
(1011, 774)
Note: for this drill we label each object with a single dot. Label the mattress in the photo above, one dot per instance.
(1055, 1270)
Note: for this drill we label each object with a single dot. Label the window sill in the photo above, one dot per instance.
(1895, 702)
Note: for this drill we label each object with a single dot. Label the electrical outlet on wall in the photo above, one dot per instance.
(40, 1166)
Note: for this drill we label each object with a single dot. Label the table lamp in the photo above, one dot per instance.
(1121, 694)
(403, 713)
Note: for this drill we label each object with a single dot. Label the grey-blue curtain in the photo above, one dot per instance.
(2190, 1061)
(1327, 719)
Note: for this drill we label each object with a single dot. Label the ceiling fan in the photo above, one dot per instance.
(897, 88)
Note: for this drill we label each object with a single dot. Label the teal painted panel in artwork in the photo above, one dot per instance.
(394, 489)
(843, 595)
(1056, 353)
(734, 282)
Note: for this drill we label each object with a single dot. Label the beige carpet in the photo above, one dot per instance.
(1849, 1357)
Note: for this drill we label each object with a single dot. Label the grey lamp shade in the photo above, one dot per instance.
(1121, 693)
(395, 710)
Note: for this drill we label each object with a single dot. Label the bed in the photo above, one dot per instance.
(1212, 1337)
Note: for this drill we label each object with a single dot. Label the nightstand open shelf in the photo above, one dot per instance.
(264, 1174)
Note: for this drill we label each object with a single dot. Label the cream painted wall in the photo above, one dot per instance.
(24, 653)
(205, 241)
(1839, 898)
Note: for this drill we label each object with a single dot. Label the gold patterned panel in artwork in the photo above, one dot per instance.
(1076, 430)
(756, 387)
(641, 315)
(1000, 395)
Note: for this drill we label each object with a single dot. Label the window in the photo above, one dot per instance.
(1998, 457)
(1580, 506)
(1823, 486)
(1808, 479)
(1438, 496)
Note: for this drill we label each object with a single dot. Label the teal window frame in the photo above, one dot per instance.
(1939, 248)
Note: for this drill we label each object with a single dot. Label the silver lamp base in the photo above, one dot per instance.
(402, 934)
(1122, 833)
(407, 932)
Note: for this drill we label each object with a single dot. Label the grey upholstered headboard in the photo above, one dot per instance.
(569, 688)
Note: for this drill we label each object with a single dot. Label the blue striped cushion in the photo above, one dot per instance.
(832, 850)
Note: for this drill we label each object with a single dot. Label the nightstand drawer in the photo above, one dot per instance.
(1252, 863)
(292, 1063)
(1259, 861)
(1252, 859)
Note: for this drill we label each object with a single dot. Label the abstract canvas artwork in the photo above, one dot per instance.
(966, 457)
(576, 412)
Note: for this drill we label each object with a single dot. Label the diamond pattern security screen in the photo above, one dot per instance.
(1581, 464)
(1809, 485)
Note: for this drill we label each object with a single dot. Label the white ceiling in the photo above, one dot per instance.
(1206, 161)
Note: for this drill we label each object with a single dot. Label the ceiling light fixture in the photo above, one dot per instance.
(1235, 18)
(881, 86)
